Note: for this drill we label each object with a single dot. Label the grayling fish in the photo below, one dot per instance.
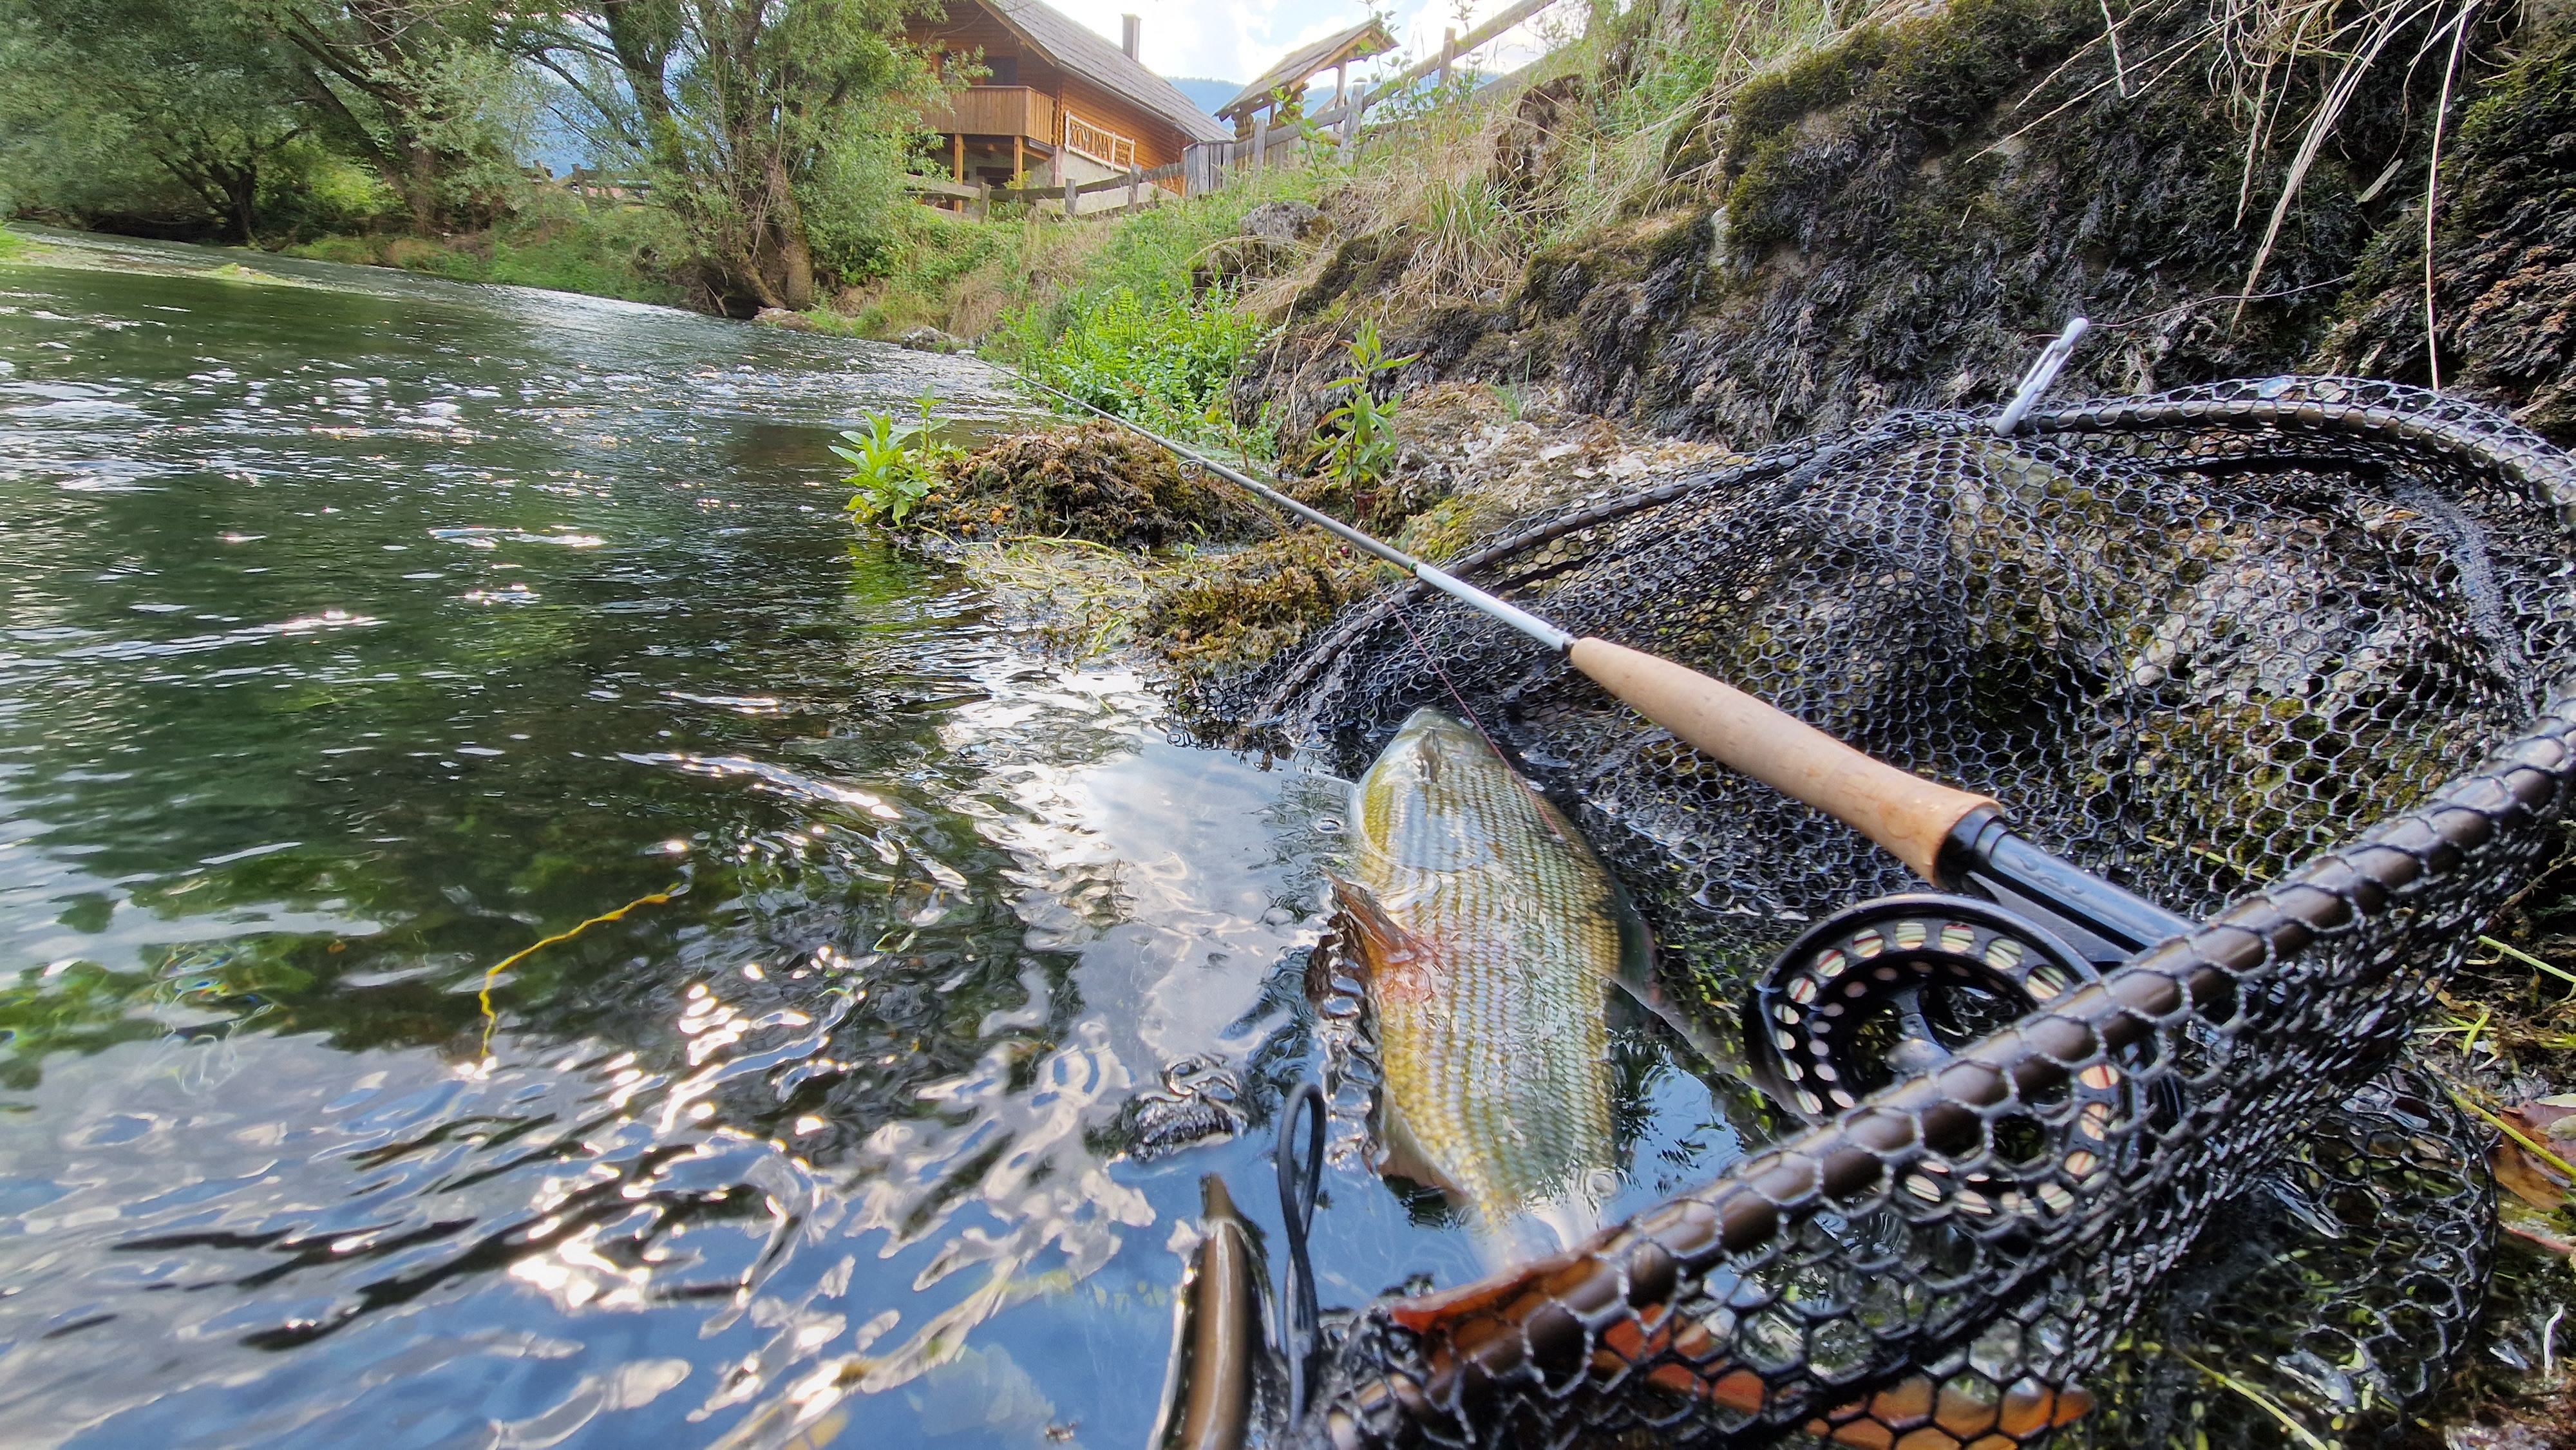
(1487, 936)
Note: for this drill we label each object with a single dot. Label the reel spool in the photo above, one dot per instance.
(1892, 988)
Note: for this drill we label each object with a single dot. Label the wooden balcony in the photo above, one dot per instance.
(996, 111)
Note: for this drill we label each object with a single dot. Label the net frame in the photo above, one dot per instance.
(1919, 1272)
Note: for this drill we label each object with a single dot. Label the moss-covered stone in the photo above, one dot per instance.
(1240, 609)
(1095, 482)
(1902, 218)
(2504, 256)
(1905, 221)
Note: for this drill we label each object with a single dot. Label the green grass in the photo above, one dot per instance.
(11, 244)
(1164, 358)
(560, 243)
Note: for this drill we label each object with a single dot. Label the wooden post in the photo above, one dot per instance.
(1069, 184)
(1135, 187)
(1019, 160)
(983, 202)
(960, 164)
(1261, 144)
(1448, 53)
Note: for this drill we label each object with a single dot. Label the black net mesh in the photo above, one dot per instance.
(2232, 648)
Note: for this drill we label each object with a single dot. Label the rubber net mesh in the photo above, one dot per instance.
(2283, 656)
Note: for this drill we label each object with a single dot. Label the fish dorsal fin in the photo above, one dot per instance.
(1398, 965)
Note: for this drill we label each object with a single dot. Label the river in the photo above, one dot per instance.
(365, 632)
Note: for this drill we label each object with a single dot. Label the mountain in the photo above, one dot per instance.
(1207, 93)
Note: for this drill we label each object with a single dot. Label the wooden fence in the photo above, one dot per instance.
(979, 197)
(1204, 168)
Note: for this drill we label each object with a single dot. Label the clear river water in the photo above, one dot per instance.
(364, 632)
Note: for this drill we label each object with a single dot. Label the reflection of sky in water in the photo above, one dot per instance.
(359, 637)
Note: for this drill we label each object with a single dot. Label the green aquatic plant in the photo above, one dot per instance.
(891, 464)
(1362, 429)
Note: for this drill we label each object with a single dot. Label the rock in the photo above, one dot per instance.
(1094, 482)
(2512, 1434)
(781, 317)
(1265, 245)
(2503, 245)
(1531, 144)
(1284, 222)
(928, 339)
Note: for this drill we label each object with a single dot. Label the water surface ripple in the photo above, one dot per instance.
(364, 632)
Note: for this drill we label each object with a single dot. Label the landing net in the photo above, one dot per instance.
(2292, 658)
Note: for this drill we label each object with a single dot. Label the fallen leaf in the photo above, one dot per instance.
(2555, 1117)
(2522, 1172)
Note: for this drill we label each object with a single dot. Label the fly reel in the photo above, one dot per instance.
(1892, 988)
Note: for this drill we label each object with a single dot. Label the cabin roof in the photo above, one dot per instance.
(1361, 41)
(1073, 46)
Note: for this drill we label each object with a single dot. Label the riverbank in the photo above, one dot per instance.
(1898, 216)
(557, 240)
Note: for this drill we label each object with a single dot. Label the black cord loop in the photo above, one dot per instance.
(1299, 1177)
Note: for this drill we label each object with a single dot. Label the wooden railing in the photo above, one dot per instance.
(1337, 126)
(1098, 142)
(995, 111)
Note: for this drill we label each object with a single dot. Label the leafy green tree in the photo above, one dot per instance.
(184, 85)
(432, 93)
(774, 129)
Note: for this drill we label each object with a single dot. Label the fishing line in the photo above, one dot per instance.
(1463, 707)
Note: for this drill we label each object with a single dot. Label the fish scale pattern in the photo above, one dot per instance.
(1488, 1026)
(2292, 657)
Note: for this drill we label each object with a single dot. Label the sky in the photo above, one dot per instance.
(1236, 40)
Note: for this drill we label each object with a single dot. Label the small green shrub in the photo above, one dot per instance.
(1361, 430)
(1163, 360)
(891, 465)
(353, 251)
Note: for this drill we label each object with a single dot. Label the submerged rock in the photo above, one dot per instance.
(780, 317)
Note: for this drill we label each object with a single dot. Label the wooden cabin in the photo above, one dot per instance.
(1051, 101)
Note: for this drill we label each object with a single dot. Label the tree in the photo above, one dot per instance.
(207, 98)
(764, 125)
(430, 92)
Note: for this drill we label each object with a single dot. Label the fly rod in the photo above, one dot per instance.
(1957, 840)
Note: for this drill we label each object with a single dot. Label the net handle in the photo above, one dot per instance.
(1908, 816)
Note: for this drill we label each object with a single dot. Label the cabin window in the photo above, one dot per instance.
(1098, 142)
(1005, 70)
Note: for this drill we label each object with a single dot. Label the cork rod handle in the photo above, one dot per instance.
(1901, 811)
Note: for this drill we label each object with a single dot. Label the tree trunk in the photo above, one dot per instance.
(797, 281)
(241, 185)
(786, 240)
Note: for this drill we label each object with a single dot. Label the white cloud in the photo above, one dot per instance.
(1238, 41)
